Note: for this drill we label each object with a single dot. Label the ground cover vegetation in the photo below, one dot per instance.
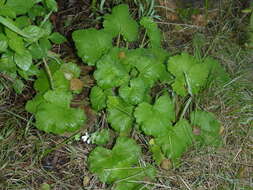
(135, 110)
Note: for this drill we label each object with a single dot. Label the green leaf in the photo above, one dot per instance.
(60, 81)
(22, 22)
(7, 63)
(156, 120)
(42, 83)
(98, 98)
(52, 118)
(32, 105)
(37, 11)
(209, 128)
(153, 31)
(91, 44)
(40, 49)
(20, 6)
(135, 178)
(101, 137)
(217, 72)
(112, 165)
(32, 71)
(8, 23)
(135, 93)
(57, 38)
(120, 22)
(157, 154)
(111, 74)
(18, 86)
(176, 142)
(15, 42)
(7, 12)
(58, 97)
(24, 60)
(52, 5)
(70, 70)
(148, 66)
(34, 32)
(190, 74)
(120, 115)
(196, 78)
(48, 27)
(3, 43)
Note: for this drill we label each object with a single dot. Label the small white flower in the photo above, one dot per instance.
(85, 138)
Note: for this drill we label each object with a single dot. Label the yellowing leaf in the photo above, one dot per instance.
(76, 84)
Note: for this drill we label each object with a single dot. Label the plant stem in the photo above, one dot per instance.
(49, 73)
(143, 39)
(118, 40)
(12, 27)
(186, 107)
(93, 5)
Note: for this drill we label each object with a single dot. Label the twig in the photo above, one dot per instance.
(178, 24)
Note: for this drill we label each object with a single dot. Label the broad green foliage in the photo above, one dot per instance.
(111, 74)
(20, 6)
(101, 137)
(125, 79)
(108, 163)
(209, 128)
(23, 60)
(156, 119)
(70, 70)
(51, 5)
(190, 75)
(91, 44)
(57, 38)
(119, 115)
(53, 118)
(116, 165)
(24, 37)
(217, 72)
(174, 143)
(135, 93)
(51, 107)
(97, 98)
(153, 31)
(120, 22)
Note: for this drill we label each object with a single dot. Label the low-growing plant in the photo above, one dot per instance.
(125, 80)
(26, 38)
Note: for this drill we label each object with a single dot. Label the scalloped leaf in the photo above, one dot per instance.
(111, 74)
(98, 97)
(135, 93)
(120, 22)
(112, 165)
(209, 128)
(91, 44)
(190, 74)
(56, 119)
(120, 115)
(156, 120)
(176, 142)
(153, 31)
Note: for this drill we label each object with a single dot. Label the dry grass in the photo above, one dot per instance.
(30, 158)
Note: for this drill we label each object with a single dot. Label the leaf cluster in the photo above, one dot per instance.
(26, 37)
(125, 78)
(51, 106)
